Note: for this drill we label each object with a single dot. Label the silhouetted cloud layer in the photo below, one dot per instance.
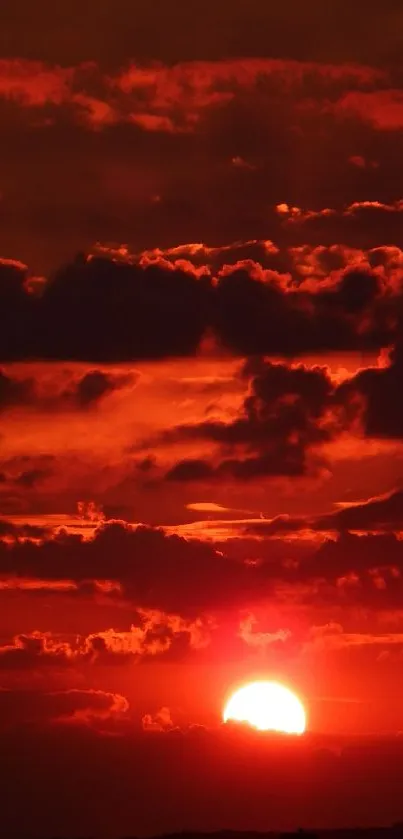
(39, 708)
(183, 771)
(103, 310)
(175, 576)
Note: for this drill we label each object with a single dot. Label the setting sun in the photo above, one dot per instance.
(267, 706)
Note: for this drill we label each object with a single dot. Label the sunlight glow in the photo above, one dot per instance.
(267, 706)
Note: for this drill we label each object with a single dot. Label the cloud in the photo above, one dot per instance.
(376, 515)
(331, 637)
(374, 397)
(351, 552)
(382, 108)
(172, 99)
(30, 531)
(156, 312)
(208, 507)
(35, 650)
(184, 582)
(64, 392)
(155, 634)
(190, 470)
(283, 416)
(255, 638)
(382, 513)
(95, 385)
(161, 721)
(29, 478)
(94, 708)
(155, 308)
(292, 411)
(360, 224)
(262, 123)
(263, 252)
(14, 391)
(186, 575)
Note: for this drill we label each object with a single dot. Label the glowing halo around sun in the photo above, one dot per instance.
(266, 706)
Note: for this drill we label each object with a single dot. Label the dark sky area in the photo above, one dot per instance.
(191, 30)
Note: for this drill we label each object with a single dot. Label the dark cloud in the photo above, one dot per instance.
(30, 478)
(38, 708)
(381, 514)
(362, 224)
(177, 573)
(350, 552)
(25, 473)
(14, 391)
(191, 578)
(15, 305)
(121, 312)
(255, 316)
(282, 418)
(82, 392)
(29, 531)
(291, 410)
(348, 568)
(95, 385)
(190, 470)
(124, 310)
(375, 396)
(36, 650)
(385, 513)
(92, 387)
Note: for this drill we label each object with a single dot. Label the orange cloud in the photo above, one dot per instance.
(256, 638)
(382, 108)
(155, 634)
(34, 83)
(333, 637)
(173, 98)
(101, 707)
(161, 721)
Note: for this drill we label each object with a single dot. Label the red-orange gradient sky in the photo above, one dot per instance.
(201, 411)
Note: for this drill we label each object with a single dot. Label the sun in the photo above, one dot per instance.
(267, 706)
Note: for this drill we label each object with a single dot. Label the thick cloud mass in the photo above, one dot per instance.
(104, 310)
(154, 569)
(36, 707)
(185, 577)
(283, 416)
(380, 393)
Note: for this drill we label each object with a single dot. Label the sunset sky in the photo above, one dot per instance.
(201, 411)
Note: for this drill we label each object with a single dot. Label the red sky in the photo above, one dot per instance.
(201, 417)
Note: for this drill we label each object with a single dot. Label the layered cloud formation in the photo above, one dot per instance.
(201, 418)
(155, 307)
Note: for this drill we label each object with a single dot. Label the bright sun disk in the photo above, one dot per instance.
(267, 706)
